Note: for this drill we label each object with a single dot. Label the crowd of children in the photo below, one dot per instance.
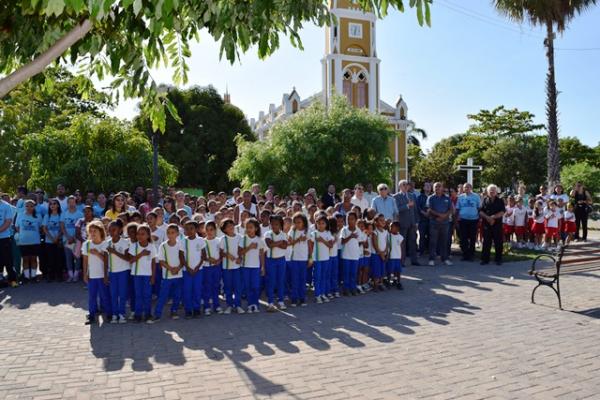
(543, 223)
(216, 254)
(210, 264)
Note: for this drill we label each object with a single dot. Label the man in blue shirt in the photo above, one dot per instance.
(384, 204)
(6, 257)
(467, 206)
(439, 209)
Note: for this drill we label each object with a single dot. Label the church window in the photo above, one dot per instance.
(294, 106)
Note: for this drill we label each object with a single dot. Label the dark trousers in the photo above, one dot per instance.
(6, 259)
(54, 261)
(468, 237)
(423, 236)
(438, 241)
(492, 233)
(581, 220)
(409, 233)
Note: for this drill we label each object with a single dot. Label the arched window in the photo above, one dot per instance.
(294, 106)
(356, 82)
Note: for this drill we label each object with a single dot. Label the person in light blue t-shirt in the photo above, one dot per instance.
(69, 218)
(6, 253)
(467, 206)
(28, 226)
(53, 248)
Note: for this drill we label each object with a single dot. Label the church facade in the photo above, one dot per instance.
(350, 67)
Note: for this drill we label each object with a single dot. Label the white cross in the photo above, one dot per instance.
(470, 168)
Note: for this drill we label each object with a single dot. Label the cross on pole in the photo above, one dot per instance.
(470, 168)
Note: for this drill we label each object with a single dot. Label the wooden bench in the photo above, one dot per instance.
(568, 260)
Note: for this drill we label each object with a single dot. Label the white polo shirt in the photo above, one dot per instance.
(95, 263)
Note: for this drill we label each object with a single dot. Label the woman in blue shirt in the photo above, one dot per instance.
(28, 226)
(69, 218)
(53, 247)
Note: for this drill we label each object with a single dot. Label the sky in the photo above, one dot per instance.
(471, 58)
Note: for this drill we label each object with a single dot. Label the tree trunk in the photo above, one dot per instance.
(38, 64)
(551, 112)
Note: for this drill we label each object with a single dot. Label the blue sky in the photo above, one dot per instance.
(471, 58)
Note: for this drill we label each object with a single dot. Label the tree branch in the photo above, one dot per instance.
(38, 64)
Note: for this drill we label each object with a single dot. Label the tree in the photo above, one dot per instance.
(572, 151)
(31, 107)
(550, 14)
(581, 172)
(415, 154)
(501, 122)
(127, 38)
(97, 154)
(203, 146)
(316, 146)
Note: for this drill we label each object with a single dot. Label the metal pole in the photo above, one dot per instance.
(155, 177)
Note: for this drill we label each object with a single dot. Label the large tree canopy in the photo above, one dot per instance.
(339, 144)
(97, 154)
(32, 107)
(508, 145)
(127, 38)
(202, 147)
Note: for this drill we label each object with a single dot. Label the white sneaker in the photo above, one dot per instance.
(114, 319)
(227, 311)
(122, 319)
(293, 304)
(318, 300)
(250, 309)
(431, 263)
(325, 299)
(239, 310)
(207, 312)
(337, 295)
(282, 305)
(360, 289)
(330, 296)
(219, 310)
(131, 316)
(256, 309)
(448, 262)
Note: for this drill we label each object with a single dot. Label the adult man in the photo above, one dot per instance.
(180, 203)
(7, 213)
(255, 189)
(60, 196)
(467, 206)
(369, 193)
(330, 198)
(245, 205)
(439, 210)
(359, 199)
(492, 211)
(384, 204)
(423, 218)
(406, 207)
(231, 202)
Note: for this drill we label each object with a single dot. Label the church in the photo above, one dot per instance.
(350, 67)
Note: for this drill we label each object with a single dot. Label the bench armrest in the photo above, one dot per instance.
(535, 260)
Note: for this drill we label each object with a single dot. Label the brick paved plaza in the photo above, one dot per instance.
(455, 332)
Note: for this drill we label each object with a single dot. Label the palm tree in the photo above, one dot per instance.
(551, 14)
(416, 135)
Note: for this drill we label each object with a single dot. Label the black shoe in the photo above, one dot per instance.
(188, 315)
(196, 314)
(174, 315)
(138, 319)
(90, 320)
(353, 292)
(399, 286)
(415, 264)
(148, 318)
(498, 262)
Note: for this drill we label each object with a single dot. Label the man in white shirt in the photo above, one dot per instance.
(359, 199)
(369, 194)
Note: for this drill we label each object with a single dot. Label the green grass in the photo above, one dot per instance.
(513, 255)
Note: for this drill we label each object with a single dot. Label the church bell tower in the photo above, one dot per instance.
(350, 65)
